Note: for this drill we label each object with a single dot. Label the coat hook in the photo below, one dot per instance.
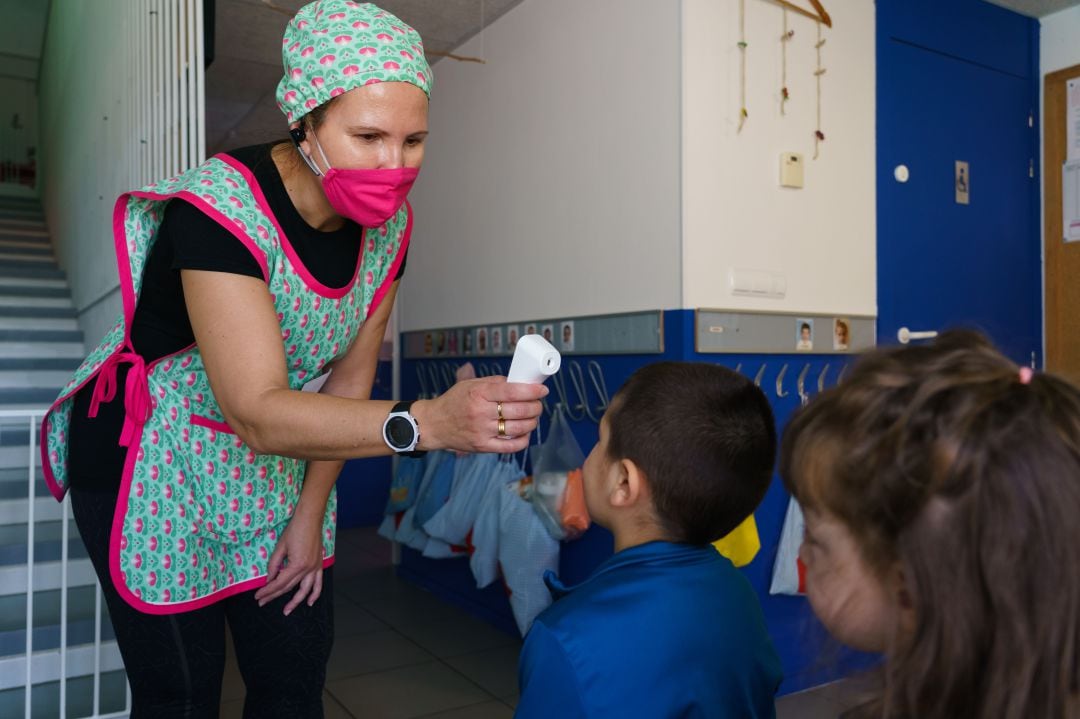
(800, 384)
(840, 377)
(433, 377)
(738, 368)
(596, 376)
(421, 381)
(780, 382)
(759, 376)
(821, 378)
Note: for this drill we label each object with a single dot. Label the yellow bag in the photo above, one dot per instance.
(741, 544)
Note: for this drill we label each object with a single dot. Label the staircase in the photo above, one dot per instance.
(40, 345)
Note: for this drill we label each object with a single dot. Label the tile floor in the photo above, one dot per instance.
(400, 653)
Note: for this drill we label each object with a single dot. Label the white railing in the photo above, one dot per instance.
(46, 666)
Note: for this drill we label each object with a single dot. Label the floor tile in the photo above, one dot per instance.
(406, 692)
(495, 670)
(331, 709)
(374, 652)
(460, 635)
(408, 607)
(350, 619)
(487, 710)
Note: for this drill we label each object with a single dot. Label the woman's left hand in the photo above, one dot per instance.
(296, 560)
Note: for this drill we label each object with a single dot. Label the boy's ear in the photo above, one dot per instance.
(629, 486)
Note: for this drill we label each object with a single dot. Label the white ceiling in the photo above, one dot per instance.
(240, 83)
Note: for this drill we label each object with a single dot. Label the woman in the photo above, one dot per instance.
(202, 478)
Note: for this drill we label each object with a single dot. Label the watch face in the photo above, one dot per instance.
(399, 432)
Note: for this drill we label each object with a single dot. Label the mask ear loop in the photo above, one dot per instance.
(298, 135)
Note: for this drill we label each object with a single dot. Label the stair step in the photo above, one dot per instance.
(13, 485)
(42, 308)
(13, 379)
(46, 509)
(20, 349)
(32, 293)
(17, 281)
(23, 335)
(36, 241)
(62, 364)
(33, 396)
(10, 257)
(47, 576)
(45, 673)
(15, 435)
(46, 549)
(31, 271)
(23, 247)
(25, 305)
(13, 643)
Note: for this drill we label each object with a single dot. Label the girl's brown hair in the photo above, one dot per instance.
(949, 462)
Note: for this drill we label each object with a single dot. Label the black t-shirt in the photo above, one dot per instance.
(190, 240)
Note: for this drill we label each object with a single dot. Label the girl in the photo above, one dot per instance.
(941, 488)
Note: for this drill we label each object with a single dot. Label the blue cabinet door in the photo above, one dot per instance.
(943, 98)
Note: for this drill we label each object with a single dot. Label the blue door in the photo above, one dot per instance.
(957, 82)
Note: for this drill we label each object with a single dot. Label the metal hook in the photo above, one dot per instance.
(433, 376)
(559, 381)
(496, 368)
(840, 377)
(821, 378)
(577, 377)
(738, 368)
(596, 375)
(759, 376)
(800, 385)
(421, 381)
(448, 375)
(780, 382)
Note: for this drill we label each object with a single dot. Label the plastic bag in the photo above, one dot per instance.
(741, 544)
(526, 551)
(472, 474)
(553, 461)
(789, 573)
(405, 483)
(435, 490)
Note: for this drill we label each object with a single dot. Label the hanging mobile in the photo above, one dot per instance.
(785, 38)
(819, 136)
(743, 114)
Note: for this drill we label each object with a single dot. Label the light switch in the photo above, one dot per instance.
(791, 170)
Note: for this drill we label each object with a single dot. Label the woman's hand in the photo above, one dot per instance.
(297, 560)
(466, 417)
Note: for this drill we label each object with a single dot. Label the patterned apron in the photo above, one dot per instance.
(199, 512)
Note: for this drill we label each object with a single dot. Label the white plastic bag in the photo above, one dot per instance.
(789, 573)
(526, 551)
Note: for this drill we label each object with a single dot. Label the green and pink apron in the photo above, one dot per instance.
(199, 512)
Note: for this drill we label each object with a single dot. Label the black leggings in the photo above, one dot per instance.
(175, 662)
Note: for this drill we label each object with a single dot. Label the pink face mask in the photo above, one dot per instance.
(367, 197)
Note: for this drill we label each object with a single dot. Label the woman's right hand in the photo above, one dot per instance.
(466, 417)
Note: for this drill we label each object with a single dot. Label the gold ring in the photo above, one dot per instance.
(498, 408)
(502, 427)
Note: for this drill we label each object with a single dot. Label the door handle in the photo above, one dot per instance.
(905, 335)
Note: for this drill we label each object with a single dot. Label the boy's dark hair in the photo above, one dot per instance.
(705, 439)
(963, 469)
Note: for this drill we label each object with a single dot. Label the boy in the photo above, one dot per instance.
(666, 627)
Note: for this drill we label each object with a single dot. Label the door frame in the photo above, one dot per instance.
(1059, 296)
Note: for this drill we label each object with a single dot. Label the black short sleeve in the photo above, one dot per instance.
(200, 243)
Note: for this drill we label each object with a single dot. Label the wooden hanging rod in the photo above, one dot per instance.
(820, 15)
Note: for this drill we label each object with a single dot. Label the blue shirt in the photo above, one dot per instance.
(658, 630)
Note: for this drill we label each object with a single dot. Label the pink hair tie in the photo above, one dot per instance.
(1025, 375)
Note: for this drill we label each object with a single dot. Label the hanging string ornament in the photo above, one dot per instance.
(743, 114)
(819, 136)
(785, 38)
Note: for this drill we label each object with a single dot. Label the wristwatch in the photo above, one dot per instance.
(401, 431)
